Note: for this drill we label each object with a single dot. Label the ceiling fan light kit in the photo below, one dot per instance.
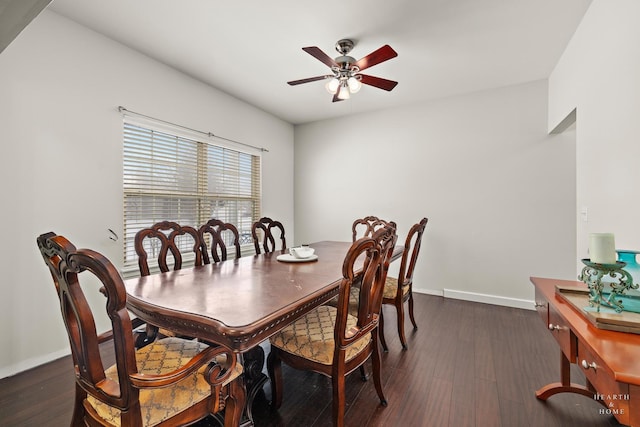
(346, 77)
(332, 85)
(344, 93)
(354, 84)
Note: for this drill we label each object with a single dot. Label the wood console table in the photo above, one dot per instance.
(609, 360)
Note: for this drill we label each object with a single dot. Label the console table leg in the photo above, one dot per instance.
(565, 369)
(565, 385)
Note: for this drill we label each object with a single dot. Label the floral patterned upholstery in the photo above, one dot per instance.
(159, 404)
(311, 336)
(391, 287)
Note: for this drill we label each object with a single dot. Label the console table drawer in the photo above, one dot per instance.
(562, 333)
(615, 394)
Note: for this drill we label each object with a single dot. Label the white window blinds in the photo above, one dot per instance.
(172, 178)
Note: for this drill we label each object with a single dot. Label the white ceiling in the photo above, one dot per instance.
(250, 49)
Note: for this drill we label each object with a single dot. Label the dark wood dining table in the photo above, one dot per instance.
(241, 302)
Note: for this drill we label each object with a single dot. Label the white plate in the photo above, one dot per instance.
(291, 258)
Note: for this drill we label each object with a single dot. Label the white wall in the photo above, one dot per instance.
(60, 85)
(499, 192)
(599, 76)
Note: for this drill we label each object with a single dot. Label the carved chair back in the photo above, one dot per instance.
(163, 239)
(263, 231)
(365, 227)
(218, 235)
(410, 254)
(66, 263)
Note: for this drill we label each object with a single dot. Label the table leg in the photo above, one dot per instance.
(252, 362)
(565, 385)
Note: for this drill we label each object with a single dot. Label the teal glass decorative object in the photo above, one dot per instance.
(633, 268)
(631, 299)
(618, 282)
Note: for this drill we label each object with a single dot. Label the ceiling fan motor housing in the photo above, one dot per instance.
(345, 62)
(344, 46)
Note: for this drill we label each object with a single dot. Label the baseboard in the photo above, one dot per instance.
(435, 292)
(25, 365)
(481, 298)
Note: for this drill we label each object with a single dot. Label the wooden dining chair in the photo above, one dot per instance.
(363, 227)
(167, 243)
(328, 340)
(263, 231)
(170, 382)
(218, 235)
(398, 290)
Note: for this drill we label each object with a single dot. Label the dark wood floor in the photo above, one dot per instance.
(468, 364)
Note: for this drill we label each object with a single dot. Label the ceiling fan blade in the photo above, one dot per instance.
(310, 79)
(378, 82)
(383, 54)
(320, 56)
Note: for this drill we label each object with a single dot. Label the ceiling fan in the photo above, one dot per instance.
(346, 78)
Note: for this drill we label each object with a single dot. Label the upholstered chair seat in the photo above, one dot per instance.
(161, 357)
(391, 288)
(312, 336)
(390, 292)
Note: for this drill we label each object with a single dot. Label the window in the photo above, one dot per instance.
(173, 178)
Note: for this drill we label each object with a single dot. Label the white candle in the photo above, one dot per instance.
(602, 248)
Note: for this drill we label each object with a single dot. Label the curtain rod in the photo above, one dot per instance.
(123, 110)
